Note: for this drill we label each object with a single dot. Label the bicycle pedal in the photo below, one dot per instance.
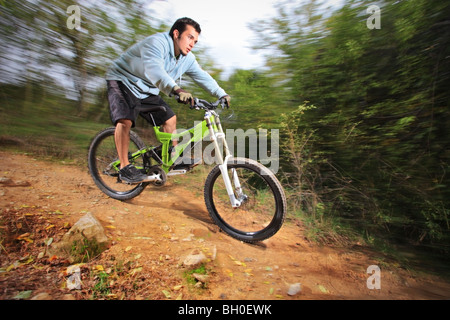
(184, 167)
(176, 172)
(129, 183)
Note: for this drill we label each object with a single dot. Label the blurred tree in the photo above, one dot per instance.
(381, 122)
(40, 44)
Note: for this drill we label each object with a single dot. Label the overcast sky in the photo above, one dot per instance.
(224, 25)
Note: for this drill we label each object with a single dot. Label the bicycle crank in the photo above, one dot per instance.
(157, 176)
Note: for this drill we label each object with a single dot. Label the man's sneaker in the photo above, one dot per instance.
(131, 175)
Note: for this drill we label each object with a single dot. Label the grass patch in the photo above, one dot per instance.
(328, 231)
(188, 275)
(84, 250)
(101, 288)
(47, 129)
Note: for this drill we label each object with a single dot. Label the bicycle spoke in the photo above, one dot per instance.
(258, 204)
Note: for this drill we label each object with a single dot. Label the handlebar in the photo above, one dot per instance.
(200, 104)
(206, 105)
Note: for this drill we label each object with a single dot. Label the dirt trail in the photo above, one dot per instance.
(163, 225)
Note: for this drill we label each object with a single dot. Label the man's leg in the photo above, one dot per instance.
(122, 115)
(168, 122)
(170, 126)
(122, 139)
(128, 173)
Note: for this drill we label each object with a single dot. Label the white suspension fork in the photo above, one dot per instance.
(215, 136)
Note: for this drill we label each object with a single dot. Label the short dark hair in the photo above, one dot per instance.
(181, 24)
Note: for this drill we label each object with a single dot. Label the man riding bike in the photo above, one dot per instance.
(137, 77)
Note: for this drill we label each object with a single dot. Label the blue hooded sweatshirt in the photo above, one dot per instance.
(150, 66)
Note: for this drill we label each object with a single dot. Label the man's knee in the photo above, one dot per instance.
(171, 121)
(170, 125)
(124, 124)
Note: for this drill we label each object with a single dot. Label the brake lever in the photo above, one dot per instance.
(196, 105)
(223, 103)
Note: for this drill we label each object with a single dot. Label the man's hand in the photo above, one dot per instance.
(184, 96)
(227, 100)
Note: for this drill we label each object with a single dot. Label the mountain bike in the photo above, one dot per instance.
(243, 197)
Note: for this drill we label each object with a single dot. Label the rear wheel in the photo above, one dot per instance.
(104, 165)
(263, 202)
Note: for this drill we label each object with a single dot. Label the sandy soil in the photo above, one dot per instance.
(156, 230)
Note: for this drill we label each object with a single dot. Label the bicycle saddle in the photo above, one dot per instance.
(151, 109)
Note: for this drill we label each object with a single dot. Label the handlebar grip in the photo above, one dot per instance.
(191, 101)
(224, 103)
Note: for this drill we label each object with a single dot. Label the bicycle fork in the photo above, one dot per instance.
(216, 136)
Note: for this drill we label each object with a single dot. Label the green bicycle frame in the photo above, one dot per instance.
(210, 125)
(197, 134)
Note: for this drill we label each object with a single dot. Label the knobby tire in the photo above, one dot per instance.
(261, 216)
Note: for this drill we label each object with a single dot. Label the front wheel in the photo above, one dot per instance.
(263, 202)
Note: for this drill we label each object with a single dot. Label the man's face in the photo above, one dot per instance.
(185, 42)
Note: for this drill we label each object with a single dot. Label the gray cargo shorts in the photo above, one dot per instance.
(123, 104)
